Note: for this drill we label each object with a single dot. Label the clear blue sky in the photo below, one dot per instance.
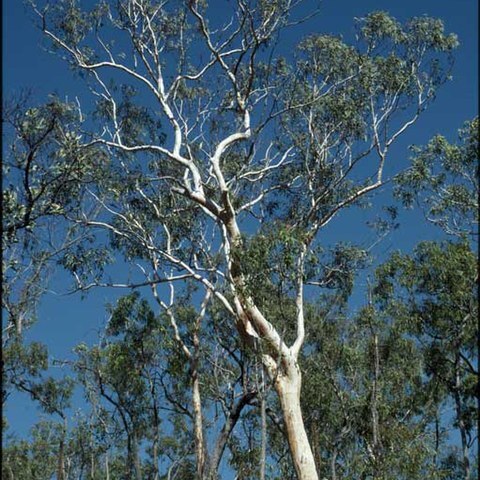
(66, 321)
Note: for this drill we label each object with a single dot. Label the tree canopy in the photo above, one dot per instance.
(200, 176)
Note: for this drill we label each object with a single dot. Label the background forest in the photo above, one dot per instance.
(263, 272)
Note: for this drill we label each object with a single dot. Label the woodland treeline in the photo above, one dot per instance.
(205, 167)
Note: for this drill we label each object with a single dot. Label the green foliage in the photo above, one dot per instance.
(417, 33)
(327, 55)
(443, 178)
(45, 167)
(28, 359)
(375, 380)
(433, 295)
(137, 123)
(338, 396)
(46, 171)
(24, 368)
(86, 262)
(32, 460)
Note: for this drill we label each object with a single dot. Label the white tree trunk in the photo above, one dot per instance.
(198, 425)
(288, 386)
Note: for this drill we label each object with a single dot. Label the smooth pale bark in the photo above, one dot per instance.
(92, 466)
(288, 386)
(107, 469)
(200, 450)
(288, 379)
(198, 425)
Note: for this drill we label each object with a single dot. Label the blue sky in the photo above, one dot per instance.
(66, 321)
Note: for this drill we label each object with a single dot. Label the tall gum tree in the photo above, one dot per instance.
(442, 279)
(219, 144)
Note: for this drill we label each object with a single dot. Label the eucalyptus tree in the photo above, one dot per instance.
(24, 370)
(367, 407)
(443, 180)
(36, 459)
(379, 384)
(42, 180)
(226, 159)
(142, 383)
(433, 293)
